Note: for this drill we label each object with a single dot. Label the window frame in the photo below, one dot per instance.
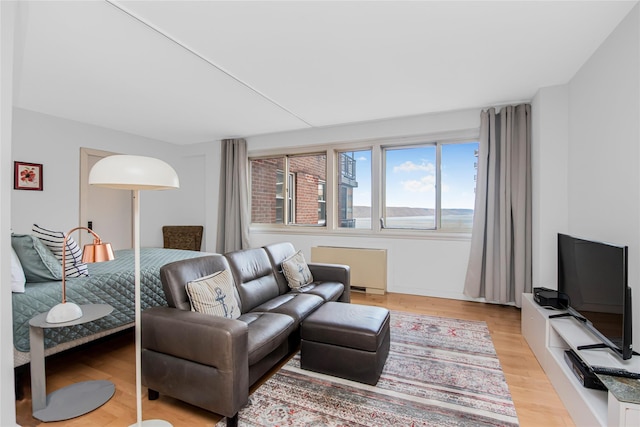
(438, 146)
(331, 150)
(383, 184)
(322, 201)
(289, 187)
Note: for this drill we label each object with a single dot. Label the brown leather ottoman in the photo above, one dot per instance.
(346, 340)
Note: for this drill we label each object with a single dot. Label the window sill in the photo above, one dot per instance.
(350, 232)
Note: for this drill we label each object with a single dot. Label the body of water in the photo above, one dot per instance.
(427, 222)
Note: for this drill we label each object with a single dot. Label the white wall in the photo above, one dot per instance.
(604, 147)
(56, 142)
(550, 175)
(419, 266)
(400, 127)
(604, 134)
(587, 154)
(7, 397)
(197, 201)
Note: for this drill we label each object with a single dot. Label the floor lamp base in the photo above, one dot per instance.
(153, 423)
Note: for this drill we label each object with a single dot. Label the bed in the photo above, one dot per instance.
(109, 282)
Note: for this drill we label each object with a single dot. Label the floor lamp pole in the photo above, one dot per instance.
(136, 250)
(138, 325)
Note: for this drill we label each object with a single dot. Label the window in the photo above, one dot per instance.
(296, 200)
(354, 189)
(430, 186)
(267, 191)
(375, 187)
(410, 187)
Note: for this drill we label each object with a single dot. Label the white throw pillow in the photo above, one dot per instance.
(17, 274)
(296, 271)
(54, 240)
(214, 295)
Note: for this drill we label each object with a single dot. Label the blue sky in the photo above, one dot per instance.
(458, 173)
(362, 194)
(411, 175)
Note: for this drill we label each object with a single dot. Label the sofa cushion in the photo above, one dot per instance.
(329, 281)
(214, 295)
(296, 271)
(277, 253)
(267, 331)
(296, 305)
(328, 291)
(175, 276)
(254, 278)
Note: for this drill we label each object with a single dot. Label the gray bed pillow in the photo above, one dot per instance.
(54, 240)
(38, 262)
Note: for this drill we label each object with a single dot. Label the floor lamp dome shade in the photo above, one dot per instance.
(96, 252)
(126, 172)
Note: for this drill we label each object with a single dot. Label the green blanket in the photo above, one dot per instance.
(109, 282)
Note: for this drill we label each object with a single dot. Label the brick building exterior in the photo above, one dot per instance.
(309, 172)
(267, 188)
(263, 189)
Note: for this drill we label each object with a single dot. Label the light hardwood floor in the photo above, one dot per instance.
(536, 402)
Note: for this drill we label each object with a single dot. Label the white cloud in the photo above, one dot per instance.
(424, 184)
(410, 166)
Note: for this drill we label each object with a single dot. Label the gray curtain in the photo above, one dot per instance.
(500, 260)
(233, 225)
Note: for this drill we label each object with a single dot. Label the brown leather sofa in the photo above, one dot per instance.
(210, 361)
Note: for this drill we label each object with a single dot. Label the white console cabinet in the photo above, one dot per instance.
(549, 338)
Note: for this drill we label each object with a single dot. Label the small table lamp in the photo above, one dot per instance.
(96, 252)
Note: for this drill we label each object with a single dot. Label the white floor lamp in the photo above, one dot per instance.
(135, 173)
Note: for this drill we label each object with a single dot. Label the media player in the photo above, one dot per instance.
(550, 298)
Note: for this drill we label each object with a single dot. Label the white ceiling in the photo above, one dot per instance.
(194, 71)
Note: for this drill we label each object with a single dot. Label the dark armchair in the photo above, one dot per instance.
(188, 237)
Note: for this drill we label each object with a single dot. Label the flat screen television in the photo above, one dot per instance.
(593, 277)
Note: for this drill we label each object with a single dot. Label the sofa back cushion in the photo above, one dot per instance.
(277, 253)
(254, 278)
(176, 275)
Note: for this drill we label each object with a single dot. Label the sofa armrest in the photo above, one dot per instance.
(209, 340)
(333, 273)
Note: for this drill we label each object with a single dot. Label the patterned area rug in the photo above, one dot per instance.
(440, 372)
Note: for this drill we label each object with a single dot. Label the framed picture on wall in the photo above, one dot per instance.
(27, 176)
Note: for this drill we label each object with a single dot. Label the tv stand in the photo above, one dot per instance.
(549, 338)
(567, 314)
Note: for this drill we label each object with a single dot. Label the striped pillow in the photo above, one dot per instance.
(296, 271)
(214, 295)
(53, 240)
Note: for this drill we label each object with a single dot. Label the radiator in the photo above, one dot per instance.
(368, 266)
